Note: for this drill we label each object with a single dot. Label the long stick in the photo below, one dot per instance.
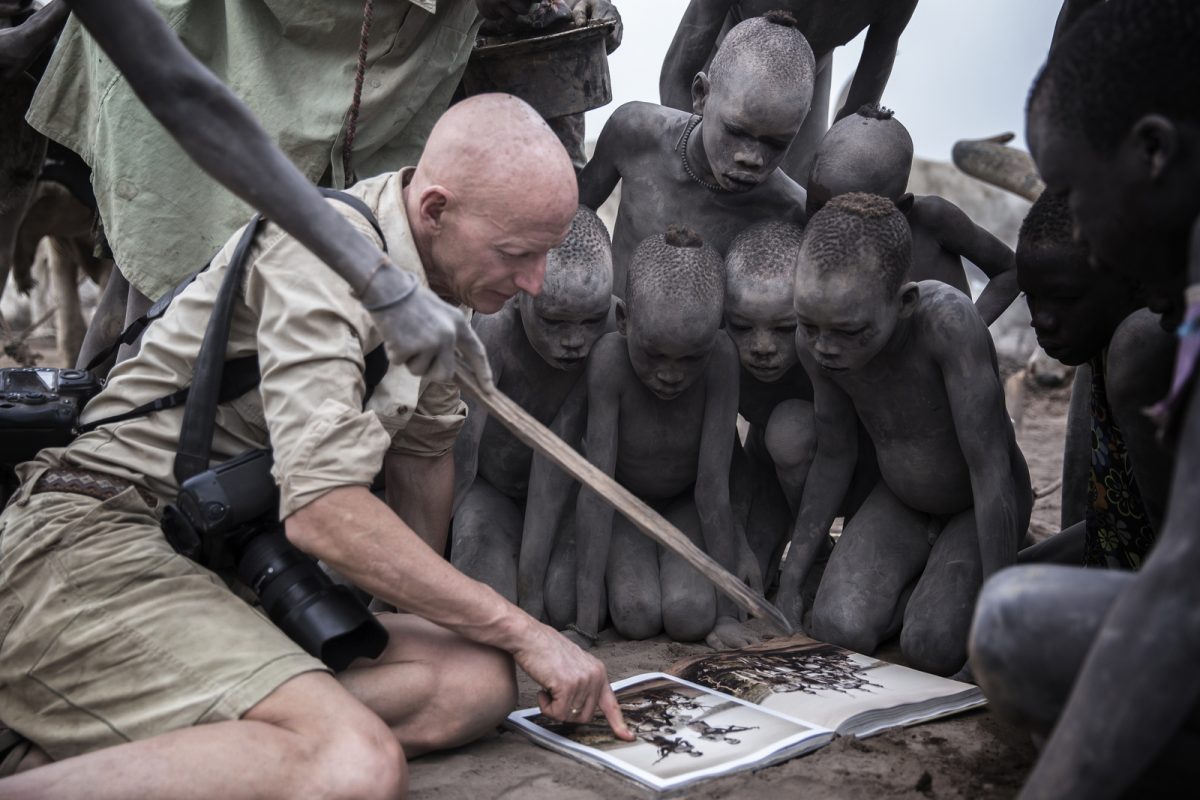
(647, 520)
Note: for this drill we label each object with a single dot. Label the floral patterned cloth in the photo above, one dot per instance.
(1118, 530)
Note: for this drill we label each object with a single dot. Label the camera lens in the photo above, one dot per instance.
(326, 619)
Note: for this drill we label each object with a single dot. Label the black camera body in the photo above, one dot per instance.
(40, 407)
(233, 507)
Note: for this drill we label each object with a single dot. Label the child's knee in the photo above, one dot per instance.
(790, 437)
(992, 647)
(636, 614)
(690, 618)
(842, 624)
(932, 649)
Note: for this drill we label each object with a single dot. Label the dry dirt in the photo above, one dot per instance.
(974, 755)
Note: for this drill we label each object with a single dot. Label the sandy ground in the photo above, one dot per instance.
(973, 755)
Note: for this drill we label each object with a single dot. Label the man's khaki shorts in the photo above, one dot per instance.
(107, 635)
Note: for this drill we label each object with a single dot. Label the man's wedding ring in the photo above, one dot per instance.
(574, 712)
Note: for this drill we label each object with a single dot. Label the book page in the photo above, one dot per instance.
(824, 684)
(684, 733)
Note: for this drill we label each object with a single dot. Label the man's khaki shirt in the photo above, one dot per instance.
(293, 63)
(311, 336)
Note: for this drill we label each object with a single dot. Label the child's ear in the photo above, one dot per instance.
(1155, 141)
(622, 318)
(905, 203)
(699, 93)
(909, 293)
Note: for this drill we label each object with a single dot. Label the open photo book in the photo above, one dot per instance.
(744, 709)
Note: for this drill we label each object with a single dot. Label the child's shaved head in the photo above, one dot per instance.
(768, 49)
(583, 262)
(760, 274)
(1049, 224)
(766, 251)
(863, 231)
(868, 151)
(672, 310)
(569, 314)
(676, 270)
(1122, 60)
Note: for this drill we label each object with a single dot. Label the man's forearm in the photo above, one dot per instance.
(421, 492)
(360, 537)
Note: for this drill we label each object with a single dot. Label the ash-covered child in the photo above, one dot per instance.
(661, 419)
(537, 347)
(716, 170)
(914, 362)
(870, 151)
(774, 392)
(1097, 319)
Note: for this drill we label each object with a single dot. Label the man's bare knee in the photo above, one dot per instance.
(490, 681)
(338, 747)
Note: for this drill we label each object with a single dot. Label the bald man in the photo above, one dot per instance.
(139, 673)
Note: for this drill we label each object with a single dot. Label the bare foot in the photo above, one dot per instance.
(729, 634)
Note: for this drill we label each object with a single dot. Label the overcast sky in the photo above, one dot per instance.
(963, 69)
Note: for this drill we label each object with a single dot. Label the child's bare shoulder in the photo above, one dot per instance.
(494, 330)
(787, 197)
(637, 119)
(933, 211)
(609, 353)
(947, 318)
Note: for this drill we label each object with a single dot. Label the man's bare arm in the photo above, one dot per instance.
(546, 504)
(694, 39)
(958, 234)
(356, 534)
(878, 56)
(962, 347)
(221, 135)
(826, 486)
(421, 491)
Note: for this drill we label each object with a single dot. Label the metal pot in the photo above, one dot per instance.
(557, 73)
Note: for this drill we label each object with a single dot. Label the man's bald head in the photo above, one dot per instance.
(493, 192)
(495, 147)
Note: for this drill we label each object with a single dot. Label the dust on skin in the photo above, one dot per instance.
(871, 151)
(915, 364)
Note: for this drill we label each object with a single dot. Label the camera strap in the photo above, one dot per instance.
(220, 380)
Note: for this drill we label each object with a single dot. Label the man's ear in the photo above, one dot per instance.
(432, 206)
(1155, 141)
(622, 318)
(905, 203)
(909, 294)
(700, 89)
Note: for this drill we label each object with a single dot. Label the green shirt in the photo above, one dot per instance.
(293, 63)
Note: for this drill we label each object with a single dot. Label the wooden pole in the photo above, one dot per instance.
(647, 520)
